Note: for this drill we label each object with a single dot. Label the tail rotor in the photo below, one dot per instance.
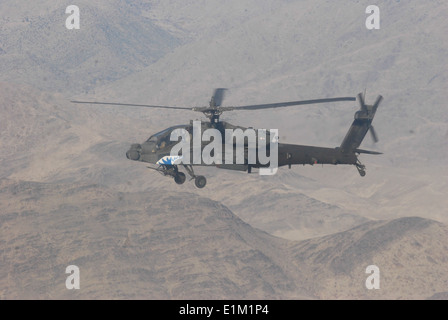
(367, 112)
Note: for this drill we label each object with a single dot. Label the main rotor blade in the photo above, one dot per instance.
(287, 104)
(132, 105)
(218, 96)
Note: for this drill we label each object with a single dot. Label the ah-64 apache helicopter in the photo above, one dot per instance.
(157, 149)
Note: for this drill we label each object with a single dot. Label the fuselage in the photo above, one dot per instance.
(160, 145)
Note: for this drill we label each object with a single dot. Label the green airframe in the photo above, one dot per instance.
(159, 145)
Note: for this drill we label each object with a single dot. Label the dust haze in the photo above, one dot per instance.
(69, 196)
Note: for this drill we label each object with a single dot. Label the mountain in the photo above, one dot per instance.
(151, 245)
(68, 195)
(166, 245)
(113, 40)
(410, 254)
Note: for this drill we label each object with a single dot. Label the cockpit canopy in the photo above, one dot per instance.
(162, 138)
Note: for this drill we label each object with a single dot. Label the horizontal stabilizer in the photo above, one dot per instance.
(367, 151)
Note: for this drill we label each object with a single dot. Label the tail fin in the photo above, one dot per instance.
(360, 126)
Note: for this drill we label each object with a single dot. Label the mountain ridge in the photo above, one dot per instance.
(164, 245)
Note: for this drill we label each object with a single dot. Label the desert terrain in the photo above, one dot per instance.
(69, 196)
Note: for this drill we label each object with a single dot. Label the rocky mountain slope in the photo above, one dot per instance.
(69, 196)
(113, 40)
(165, 245)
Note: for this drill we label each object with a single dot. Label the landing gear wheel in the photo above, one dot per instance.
(200, 181)
(180, 178)
(361, 168)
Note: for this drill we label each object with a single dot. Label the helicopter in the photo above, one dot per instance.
(157, 149)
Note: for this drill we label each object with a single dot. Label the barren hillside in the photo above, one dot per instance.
(68, 195)
(165, 245)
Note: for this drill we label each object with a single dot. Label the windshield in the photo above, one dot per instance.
(162, 138)
(156, 137)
